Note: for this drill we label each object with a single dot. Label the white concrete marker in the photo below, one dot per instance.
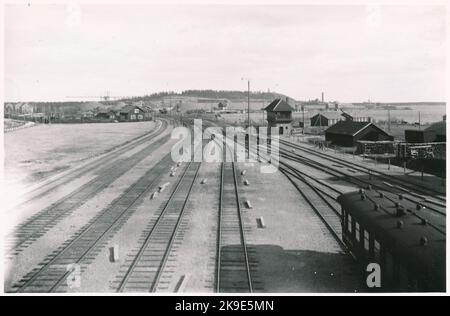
(246, 182)
(261, 223)
(172, 174)
(204, 181)
(243, 172)
(162, 187)
(114, 253)
(181, 285)
(154, 195)
(248, 204)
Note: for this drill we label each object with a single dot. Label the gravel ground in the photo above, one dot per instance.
(102, 274)
(295, 251)
(197, 254)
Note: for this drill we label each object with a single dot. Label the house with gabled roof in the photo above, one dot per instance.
(279, 114)
(348, 133)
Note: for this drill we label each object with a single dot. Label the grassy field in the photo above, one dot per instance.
(33, 154)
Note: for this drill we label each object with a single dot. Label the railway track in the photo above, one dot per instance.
(104, 160)
(434, 218)
(144, 272)
(400, 184)
(434, 214)
(321, 202)
(233, 268)
(52, 274)
(37, 225)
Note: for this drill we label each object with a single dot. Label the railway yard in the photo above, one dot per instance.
(131, 219)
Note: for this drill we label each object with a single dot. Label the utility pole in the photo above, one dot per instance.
(303, 115)
(248, 103)
(248, 100)
(389, 120)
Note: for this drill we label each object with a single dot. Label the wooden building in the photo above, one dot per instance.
(106, 115)
(436, 132)
(131, 113)
(348, 133)
(324, 119)
(356, 117)
(279, 114)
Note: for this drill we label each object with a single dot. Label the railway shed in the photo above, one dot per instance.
(326, 118)
(134, 113)
(434, 133)
(348, 133)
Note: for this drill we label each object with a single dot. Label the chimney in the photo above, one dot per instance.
(322, 97)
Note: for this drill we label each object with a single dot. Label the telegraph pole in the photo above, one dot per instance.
(389, 120)
(303, 116)
(419, 121)
(248, 103)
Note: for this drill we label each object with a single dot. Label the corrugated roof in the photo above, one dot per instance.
(347, 127)
(279, 105)
(438, 128)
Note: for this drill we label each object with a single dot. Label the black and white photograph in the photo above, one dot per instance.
(222, 148)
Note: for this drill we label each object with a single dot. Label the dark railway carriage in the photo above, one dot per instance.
(409, 249)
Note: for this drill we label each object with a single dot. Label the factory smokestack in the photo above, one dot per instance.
(322, 97)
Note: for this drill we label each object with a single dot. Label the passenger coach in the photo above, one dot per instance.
(402, 237)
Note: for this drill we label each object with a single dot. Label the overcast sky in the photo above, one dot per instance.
(352, 53)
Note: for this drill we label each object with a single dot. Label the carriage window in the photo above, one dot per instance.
(349, 222)
(357, 231)
(366, 240)
(376, 250)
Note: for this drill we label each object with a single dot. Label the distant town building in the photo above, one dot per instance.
(222, 106)
(348, 133)
(356, 116)
(131, 113)
(87, 114)
(279, 114)
(332, 106)
(106, 115)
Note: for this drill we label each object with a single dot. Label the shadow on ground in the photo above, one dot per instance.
(274, 269)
